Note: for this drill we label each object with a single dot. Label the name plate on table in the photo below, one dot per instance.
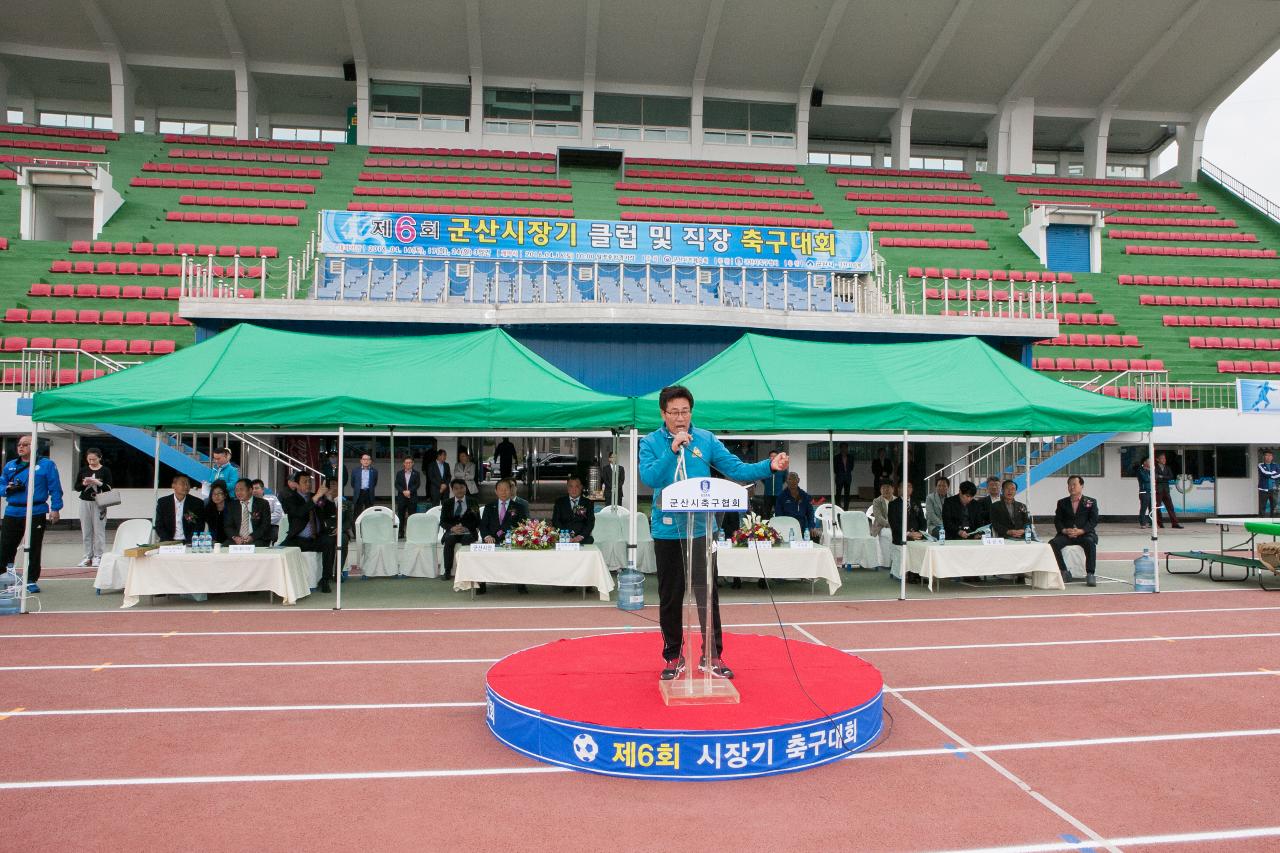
(483, 547)
(568, 546)
(170, 549)
(992, 540)
(758, 546)
(240, 549)
(802, 545)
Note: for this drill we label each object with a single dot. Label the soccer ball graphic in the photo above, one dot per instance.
(584, 747)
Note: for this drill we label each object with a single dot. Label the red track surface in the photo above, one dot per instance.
(983, 752)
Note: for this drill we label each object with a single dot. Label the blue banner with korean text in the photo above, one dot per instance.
(520, 238)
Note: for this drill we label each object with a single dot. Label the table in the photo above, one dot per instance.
(1225, 523)
(584, 567)
(283, 571)
(780, 564)
(959, 559)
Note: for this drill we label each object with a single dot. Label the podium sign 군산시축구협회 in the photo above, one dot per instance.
(694, 496)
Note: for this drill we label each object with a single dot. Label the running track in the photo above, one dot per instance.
(1048, 723)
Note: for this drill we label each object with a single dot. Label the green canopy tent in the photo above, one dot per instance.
(957, 386)
(254, 378)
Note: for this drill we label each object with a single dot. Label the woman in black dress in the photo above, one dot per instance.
(215, 511)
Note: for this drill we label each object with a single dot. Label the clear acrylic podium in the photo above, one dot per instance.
(693, 499)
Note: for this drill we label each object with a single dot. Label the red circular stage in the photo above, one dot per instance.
(593, 704)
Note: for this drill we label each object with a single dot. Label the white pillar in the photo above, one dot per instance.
(476, 124)
(900, 135)
(31, 496)
(123, 89)
(337, 557)
(4, 94)
(633, 462)
(1095, 146)
(246, 105)
(903, 565)
(1190, 147)
(695, 120)
(1155, 510)
(1010, 136)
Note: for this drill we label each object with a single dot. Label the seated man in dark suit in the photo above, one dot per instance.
(1076, 520)
(1009, 518)
(959, 516)
(981, 508)
(299, 513)
(574, 512)
(916, 524)
(248, 518)
(500, 517)
(181, 515)
(459, 520)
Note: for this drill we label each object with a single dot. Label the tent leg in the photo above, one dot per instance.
(831, 466)
(906, 513)
(1155, 510)
(337, 557)
(633, 461)
(155, 476)
(26, 529)
(613, 473)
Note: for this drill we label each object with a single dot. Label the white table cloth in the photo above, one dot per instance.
(585, 567)
(283, 571)
(780, 563)
(973, 559)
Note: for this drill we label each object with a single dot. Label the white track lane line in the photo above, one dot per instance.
(1041, 643)
(1110, 679)
(982, 756)
(106, 667)
(1134, 841)
(245, 709)
(598, 628)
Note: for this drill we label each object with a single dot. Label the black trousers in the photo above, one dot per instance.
(1144, 509)
(842, 492)
(405, 507)
(1088, 543)
(670, 554)
(363, 500)
(1267, 503)
(11, 537)
(451, 541)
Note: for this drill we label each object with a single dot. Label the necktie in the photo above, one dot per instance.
(245, 522)
(502, 512)
(457, 509)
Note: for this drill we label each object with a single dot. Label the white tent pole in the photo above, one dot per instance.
(337, 557)
(831, 467)
(26, 529)
(906, 512)
(1155, 510)
(155, 476)
(391, 463)
(613, 474)
(633, 456)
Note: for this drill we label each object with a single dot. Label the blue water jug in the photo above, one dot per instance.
(1144, 572)
(10, 602)
(630, 589)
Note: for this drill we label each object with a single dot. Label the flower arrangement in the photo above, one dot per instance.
(754, 529)
(533, 535)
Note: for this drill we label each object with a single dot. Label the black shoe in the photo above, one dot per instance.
(522, 589)
(324, 585)
(1177, 526)
(762, 584)
(718, 669)
(1067, 577)
(737, 584)
(482, 589)
(1090, 580)
(671, 669)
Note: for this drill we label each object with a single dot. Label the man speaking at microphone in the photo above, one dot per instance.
(661, 452)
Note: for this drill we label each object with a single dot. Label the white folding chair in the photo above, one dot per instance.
(420, 557)
(111, 568)
(860, 547)
(376, 543)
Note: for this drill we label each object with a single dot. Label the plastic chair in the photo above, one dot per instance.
(788, 528)
(826, 515)
(860, 547)
(421, 555)
(376, 543)
(610, 535)
(111, 568)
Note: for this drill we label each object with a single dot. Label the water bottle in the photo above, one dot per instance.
(942, 534)
(1144, 572)
(720, 537)
(1028, 535)
(791, 536)
(10, 592)
(630, 588)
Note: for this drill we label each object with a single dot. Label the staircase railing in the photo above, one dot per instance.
(1239, 188)
(39, 369)
(178, 441)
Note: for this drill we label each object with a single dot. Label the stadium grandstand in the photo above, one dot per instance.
(1028, 174)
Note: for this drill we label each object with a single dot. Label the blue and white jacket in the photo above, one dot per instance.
(48, 488)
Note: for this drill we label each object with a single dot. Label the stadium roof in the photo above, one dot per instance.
(1143, 62)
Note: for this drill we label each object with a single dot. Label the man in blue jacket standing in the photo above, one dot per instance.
(660, 453)
(46, 504)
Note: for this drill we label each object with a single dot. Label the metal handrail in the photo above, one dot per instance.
(1240, 189)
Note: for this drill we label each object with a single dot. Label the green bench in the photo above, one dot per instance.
(1212, 558)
